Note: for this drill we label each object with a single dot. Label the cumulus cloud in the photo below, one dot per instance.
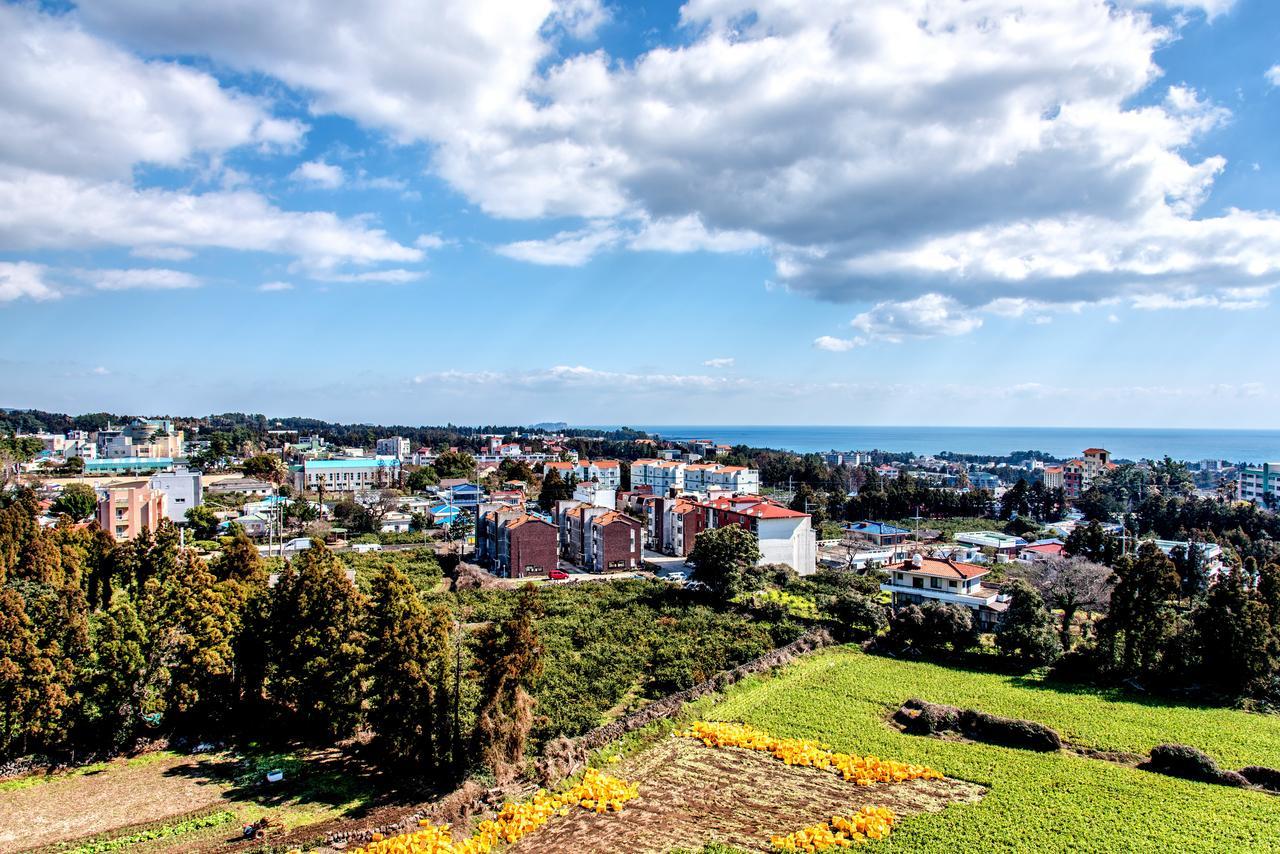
(72, 103)
(720, 362)
(24, 279)
(566, 248)
(41, 211)
(882, 150)
(151, 278)
(837, 345)
(317, 173)
(274, 287)
(1273, 75)
(394, 276)
(926, 316)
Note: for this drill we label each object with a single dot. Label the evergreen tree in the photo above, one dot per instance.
(20, 665)
(554, 488)
(77, 500)
(409, 662)
(725, 560)
(1140, 624)
(510, 661)
(1027, 631)
(1238, 643)
(316, 644)
(113, 676)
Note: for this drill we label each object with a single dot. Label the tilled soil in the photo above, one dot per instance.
(691, 794)
(74, 806)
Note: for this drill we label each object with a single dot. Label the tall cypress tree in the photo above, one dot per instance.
(510, 662)
(409, 654)
(317, 644)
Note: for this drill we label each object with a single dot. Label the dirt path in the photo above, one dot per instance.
(691, 794)
(121, 795)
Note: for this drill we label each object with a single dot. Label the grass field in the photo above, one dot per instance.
(1037, 802)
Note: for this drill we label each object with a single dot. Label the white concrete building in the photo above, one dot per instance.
(596, 494)
(704, 477)
(662, 475)
(607, 472)
(394, 446)
(184, 489)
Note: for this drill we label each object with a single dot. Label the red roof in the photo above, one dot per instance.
(1046, 549)
(943, 568)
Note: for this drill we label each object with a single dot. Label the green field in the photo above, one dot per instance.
(1037, 802)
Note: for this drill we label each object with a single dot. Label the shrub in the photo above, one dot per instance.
(1010, 732)
(1179, 760)
(1260, 775)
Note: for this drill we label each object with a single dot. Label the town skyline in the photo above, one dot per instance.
(518, 229)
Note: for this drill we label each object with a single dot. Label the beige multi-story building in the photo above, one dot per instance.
(125, 510)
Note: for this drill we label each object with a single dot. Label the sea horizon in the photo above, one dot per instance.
(1187, 444)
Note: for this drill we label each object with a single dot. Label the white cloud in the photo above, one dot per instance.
(274, 287)
(925, 316)
(837, 345)
(883, 149)
(100, 371)
(566, 248)
(162, 253)
(25, 279)
(150, 278)
(687, 234)
(40, 211)
(430, 241)
(317, 173)
(1272, 75)
(720, 362)
(1229, 299)
(397, 276)
(585, 378)
(72, 103)
(579, 18)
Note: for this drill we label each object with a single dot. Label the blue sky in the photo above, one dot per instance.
(863, 212)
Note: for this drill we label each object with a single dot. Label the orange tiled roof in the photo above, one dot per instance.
(943, 568)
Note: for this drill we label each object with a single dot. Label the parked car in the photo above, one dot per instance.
(557, 574)
(676, 576)
(364, 548)
(297, 544)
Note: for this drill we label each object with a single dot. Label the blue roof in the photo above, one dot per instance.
(880, 528)
(354, 463)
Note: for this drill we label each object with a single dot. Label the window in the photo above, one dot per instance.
(951, 583)
(918, 583)
(935, 583)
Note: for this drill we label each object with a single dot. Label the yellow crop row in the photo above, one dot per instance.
(840, 832)
(863, 770)
(597, 792)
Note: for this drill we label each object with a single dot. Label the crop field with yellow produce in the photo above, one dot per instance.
(1042, 802)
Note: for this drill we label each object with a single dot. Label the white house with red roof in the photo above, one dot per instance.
(783, 535)
(608, 473)
(920, 579)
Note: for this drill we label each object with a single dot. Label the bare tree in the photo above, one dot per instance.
(1069, 585)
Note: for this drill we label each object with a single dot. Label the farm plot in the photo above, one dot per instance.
(691, 794)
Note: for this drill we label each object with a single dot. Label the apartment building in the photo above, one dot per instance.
(664, 477)
(672, 525)
(183, 490)
(607, 472)
(1258, 482)
(125, 510)
(668, 477)
(347, 475)
(516, 544)
(394, 446)
(598, 539)
(705, 477)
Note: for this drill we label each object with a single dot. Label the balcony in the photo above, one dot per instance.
(978, 597)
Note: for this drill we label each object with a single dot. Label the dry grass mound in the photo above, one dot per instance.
(691, 794)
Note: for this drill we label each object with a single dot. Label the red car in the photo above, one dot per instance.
(557, 574)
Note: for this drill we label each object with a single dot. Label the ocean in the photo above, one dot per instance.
(1253, 446)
